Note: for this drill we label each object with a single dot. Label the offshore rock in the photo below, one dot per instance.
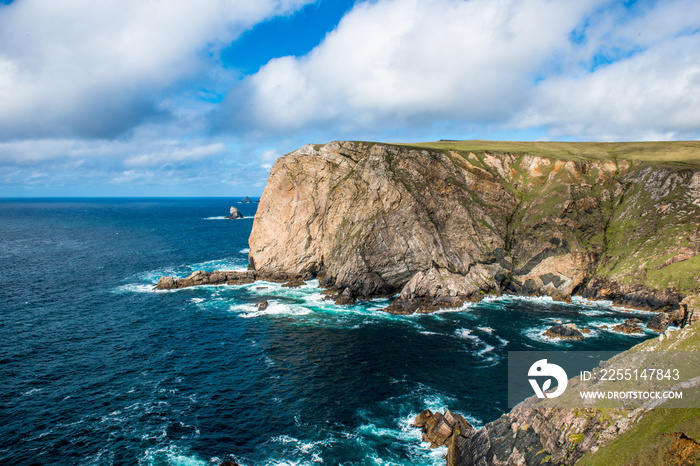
(221, 277)
(201, 277)
(235, 213)
(445, 226)
(629, 326)
(262, 305)
(565, 332)
(246, 200)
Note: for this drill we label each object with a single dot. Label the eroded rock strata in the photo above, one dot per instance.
(440, 227)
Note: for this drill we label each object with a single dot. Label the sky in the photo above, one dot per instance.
(182, 98)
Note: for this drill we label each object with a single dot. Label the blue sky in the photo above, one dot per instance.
(177, 98)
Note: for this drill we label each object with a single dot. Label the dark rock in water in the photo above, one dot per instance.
(346, 297)
(629, 326)
(262, 305)
(200, 277)
(565, 332)
(234, 213)
(246, 200)
(229, 463)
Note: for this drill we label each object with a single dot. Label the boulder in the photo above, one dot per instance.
(234, 213)
(166, 283)
(629, 326)
(564, 332)
(422, 418)
(262, 305)
(346, 297)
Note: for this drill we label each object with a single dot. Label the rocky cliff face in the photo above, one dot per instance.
(443, 226)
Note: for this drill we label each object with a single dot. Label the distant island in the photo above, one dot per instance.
(234, 213)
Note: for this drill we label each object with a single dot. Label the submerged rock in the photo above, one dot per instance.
(234, 213)
(565, 332)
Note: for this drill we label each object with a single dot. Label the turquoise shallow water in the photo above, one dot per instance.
(100, 369)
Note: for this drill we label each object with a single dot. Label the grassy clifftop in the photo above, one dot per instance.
(679, 153)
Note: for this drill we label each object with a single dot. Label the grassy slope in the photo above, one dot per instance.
(649, 441)
(681, 153)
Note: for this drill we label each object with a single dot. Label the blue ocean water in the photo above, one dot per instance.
(98, 369)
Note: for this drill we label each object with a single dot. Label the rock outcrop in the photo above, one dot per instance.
(564, 332)
(234, 213)
(221, 277)
(200, 277)
(445, 226)
(629, 326)
(246, 200)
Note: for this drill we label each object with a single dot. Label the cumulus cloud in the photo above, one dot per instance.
(591, 69)
(96, 69)
(394, 62)
(638, 79)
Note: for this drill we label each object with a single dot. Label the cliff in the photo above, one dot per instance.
(441, 223)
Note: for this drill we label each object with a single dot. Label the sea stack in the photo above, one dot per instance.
(234, 213)
(246, 200)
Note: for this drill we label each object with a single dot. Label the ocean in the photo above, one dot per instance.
(98, 369)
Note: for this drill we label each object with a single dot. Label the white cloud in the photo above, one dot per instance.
(98, 68)
(652, 95)
(393, 66)
(400, 61)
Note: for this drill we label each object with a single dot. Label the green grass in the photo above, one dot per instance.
(645, 443)
(669, 152)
